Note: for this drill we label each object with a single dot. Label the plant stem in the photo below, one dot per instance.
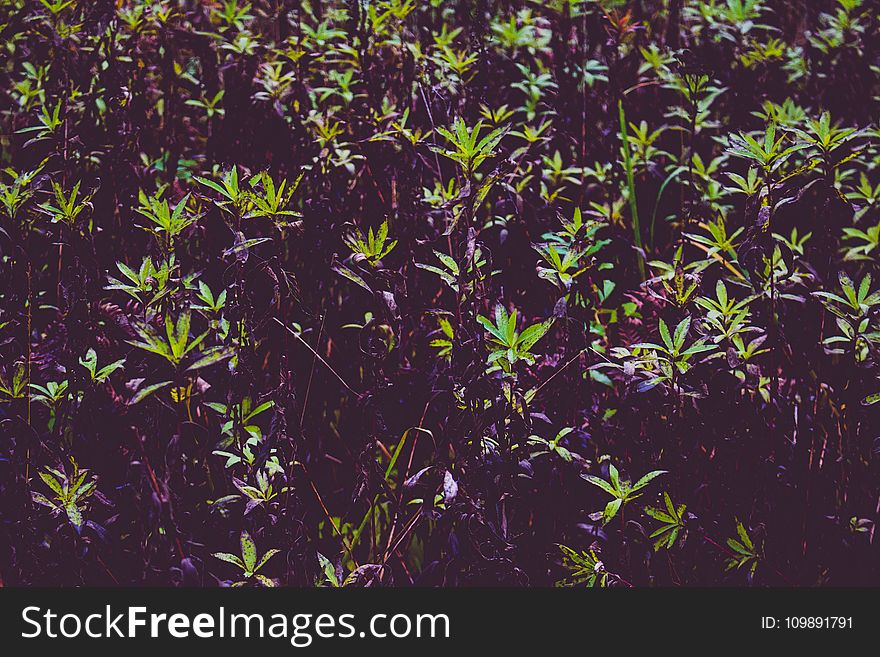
(631, 190)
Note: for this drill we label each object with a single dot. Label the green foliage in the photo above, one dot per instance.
(507, 345)
(68, 206)
(248, 562)
(655, 364)
(174, 344)
(239, 428)
(386, 279)
(69, 493)
(16, 386)
(165, 224)
(469, 150)
(769, 153)
(372, 247)
(553, 446)
(623, 491)
(584, 568)
(855, 312)
(745, 554)
(99, 375)
(672, 524)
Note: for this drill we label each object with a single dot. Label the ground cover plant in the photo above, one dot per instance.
(413, 292)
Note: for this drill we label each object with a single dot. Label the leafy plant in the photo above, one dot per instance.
(584, 568)
(261, 494)
(745, 554)
(176, 342)
(16, 386)
(854, 311)
(248, 562)
(69, 493)
(507, 345)
(623, 491)
(149, 284)
(657, 364)
(166, 224)
(469, 150)
(672, 523)
(372, 247)
(99, 375)
(68, 206)
(383, 279)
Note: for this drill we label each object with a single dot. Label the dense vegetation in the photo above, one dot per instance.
(445, 293)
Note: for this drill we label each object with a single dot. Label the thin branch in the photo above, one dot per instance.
(318, 356)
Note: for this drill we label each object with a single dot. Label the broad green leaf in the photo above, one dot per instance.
(532, 334)
(681, 332)
(611, 510)
(266, 556)
(664, 334)
(145, 392)
(52, 483)
(644, 481)
(75, 515)
(248, 551)
(229, 558)
(601, 483)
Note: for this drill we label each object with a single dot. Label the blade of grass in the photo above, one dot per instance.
(399, 447)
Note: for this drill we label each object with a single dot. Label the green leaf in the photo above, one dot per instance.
(644, 481)
(39, 498)
(210, 183)
(532, 334)
(601, 483)
(721, 292)
(229, 558)
(664, 334)
(268, 555)
(491, 328)
(698, 348)
(611, 510)
(74, 515)
(344, 271)
(262, 408)
(399, 447)
(681, 332)
(211, 357)
(615, 476)
(143, 393)
(501, 318)
(248, 551)
(657, 514)
(52, 483)
(510, 334)
(329, 570)
(647, 345)
(744, 535)
(90, 361)
(449, 261)
(864, 288)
